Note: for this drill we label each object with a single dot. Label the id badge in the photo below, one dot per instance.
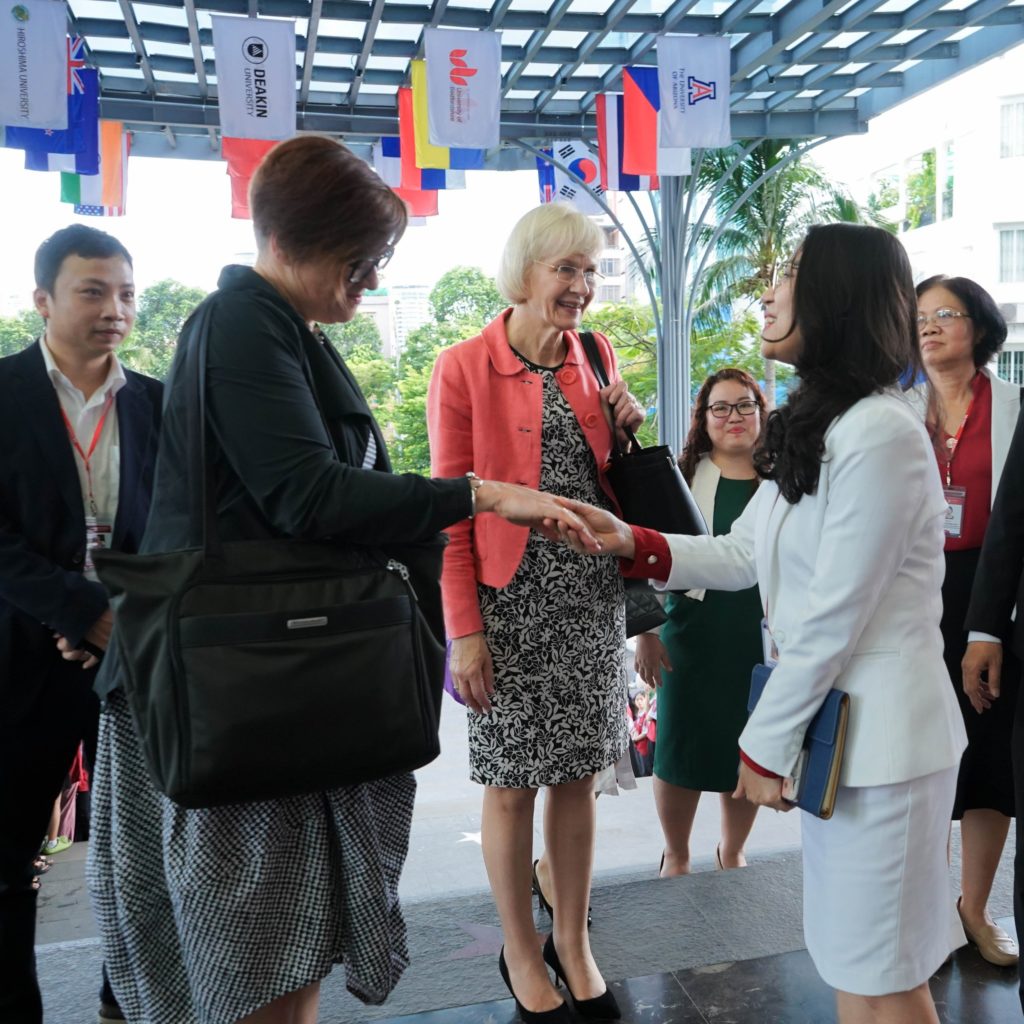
(771, 652)
(98, 533)
(956, 499)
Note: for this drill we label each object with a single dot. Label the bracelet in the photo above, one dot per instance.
(475, 483)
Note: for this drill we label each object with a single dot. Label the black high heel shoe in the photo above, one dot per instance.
(559, 1015)
(542, 903)
(602, 1007)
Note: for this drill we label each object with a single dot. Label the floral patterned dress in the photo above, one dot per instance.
(557, 638)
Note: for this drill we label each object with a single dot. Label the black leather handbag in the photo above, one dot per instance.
(269, 668)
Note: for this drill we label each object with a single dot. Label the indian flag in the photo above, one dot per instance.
(104, 192)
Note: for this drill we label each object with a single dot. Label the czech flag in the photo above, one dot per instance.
(609, 146)
(641, 153)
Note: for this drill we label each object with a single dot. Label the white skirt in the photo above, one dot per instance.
(879, 913)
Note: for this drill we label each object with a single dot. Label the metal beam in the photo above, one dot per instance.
(312, 28)
(360, 68)
(197, 49)
(128, 13)
(555, 15)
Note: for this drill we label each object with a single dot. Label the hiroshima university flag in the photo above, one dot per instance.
(693, 77)
(463, 87)
(255, 61)
(33, 65)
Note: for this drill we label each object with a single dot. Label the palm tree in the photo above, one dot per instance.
(759, 234)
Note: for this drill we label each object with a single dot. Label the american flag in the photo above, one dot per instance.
(98, 211)
(76, 61)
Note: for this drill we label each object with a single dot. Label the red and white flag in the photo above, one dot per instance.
(610, 133)
(463, 87)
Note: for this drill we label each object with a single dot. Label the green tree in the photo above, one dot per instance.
(377, 376)
(18, 331)
(360, 332)
(411, 447)
(466, 295)
(163, 308)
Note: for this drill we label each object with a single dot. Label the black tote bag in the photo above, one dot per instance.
(647, 482)
(270, 668)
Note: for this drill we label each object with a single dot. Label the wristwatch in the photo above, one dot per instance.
(475, 483)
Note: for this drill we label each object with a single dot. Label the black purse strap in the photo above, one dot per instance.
(601, 373)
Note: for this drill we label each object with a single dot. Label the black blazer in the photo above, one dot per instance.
(288, 428)
(42, 516)
(999, 581)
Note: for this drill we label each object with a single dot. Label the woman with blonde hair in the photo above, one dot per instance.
(538, 632)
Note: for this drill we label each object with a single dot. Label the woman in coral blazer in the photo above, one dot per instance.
(537, 632)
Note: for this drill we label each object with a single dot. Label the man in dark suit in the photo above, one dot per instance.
(998, 589)
(76, 464)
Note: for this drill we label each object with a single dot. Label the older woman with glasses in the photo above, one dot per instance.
(235, 913)
(971, 415)
(538, 633)
(712, 638)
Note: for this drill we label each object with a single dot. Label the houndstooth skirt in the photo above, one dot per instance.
(207, 915)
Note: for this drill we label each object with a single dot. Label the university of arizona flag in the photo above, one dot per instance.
(108, 189)
(387, 160)
(609, 149)
(255, 60)
(693, 75)
(546, 178)
(643, 152)
(427, 154)
(579, 187)
(77, 147)
(243, 156)
(419, 179)
(33, 64)
(463, 87)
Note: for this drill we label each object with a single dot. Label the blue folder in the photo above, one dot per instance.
(817, 774)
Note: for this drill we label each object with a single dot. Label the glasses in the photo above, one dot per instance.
(567, 273)
(360, 269)
(784, 271)
(723, 410)
(940, 316)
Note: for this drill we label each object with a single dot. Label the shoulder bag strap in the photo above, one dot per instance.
(601, 373)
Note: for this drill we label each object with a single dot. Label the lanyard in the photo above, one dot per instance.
(954, 442)
(87, 456)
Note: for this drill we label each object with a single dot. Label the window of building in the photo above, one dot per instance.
(610, 268)
(947, 182)
(608, 293)
(1011, 254)
(920, 189)
(1011, 127)
(1011, 367)
(885, 192)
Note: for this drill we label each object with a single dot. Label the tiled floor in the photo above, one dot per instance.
(782, 989)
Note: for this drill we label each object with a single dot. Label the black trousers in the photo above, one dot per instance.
(42, 721)
(1018, 859)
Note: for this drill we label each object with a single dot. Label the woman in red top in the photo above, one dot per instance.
(971, 414)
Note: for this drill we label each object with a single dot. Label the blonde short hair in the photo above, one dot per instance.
(549, 232)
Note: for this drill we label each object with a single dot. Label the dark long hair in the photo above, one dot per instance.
(856, 311)
(698, 440)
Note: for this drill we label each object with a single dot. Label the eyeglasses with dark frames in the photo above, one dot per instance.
(567, 273)
(723, 410)
(359, 269)
(945, 315)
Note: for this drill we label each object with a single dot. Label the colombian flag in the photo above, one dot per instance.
(420, 179)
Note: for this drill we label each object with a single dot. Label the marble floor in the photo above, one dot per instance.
(783, 989)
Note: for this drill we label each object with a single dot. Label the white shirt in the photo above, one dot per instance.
(84, 415)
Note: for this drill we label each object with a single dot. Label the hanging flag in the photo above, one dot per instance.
(609, 149)
(387, 160)
(693, 77)
(76, 148)
(418, 204)
(243, 157)
(463, 86)
(642, 150)
(98, 211)
(428, 155)
(107, 189)
(546, 178)
(581, 162)
(33, 65)
(413, 177)
(255, 61)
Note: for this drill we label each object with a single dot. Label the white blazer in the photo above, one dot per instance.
(851, 578)
(1005, 409)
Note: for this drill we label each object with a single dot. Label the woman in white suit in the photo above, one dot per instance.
(970, 415)
(845, 540)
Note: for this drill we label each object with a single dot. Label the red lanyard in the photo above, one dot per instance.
(954, 442)
(87, 456)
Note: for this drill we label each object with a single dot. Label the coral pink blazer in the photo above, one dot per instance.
(484, 414)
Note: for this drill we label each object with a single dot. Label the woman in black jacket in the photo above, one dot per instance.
(235, 913)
